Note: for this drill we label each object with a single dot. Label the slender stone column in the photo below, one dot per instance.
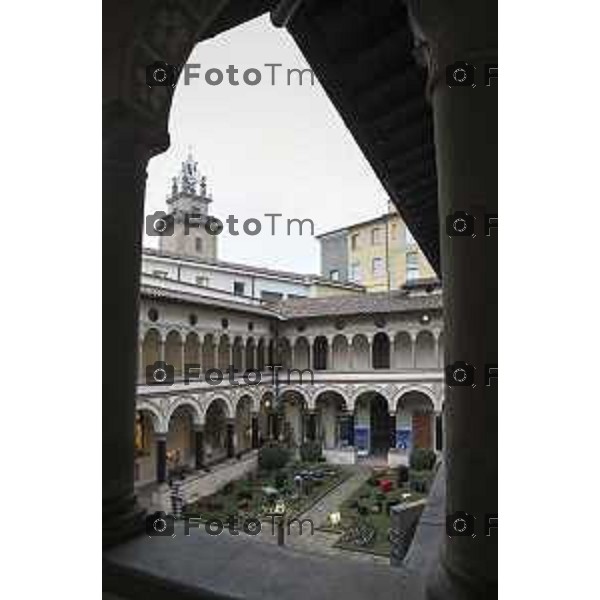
(254, 430)
(229, 433)
(182, 358)
(312, 425)
(350, 429)
(124, 160)
(161, 457)
(466, 138)
(199, 431)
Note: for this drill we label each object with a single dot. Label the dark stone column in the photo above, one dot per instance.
(161, 457)
(199, 446)
(230, 427)
(312, 425)
(254, 431)
(124, 160)
(466, 138)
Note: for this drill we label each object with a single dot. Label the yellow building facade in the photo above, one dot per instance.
(379, 254)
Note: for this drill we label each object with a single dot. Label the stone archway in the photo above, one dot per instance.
(192, 349)
(425, 350)
(360, 352)
(238, 354)
(301, 354)
(285, 353)
(340, 353)
(381, 351)
(320, 351)
(415, 421)
(403, 357)
(173, 352)
(243, 424)
(330, 408)
(372, 424)
(180, 439)
(250, 354)
(291, 412)
(215, 431)
(208, 352)
(224, 352)
(150, 352)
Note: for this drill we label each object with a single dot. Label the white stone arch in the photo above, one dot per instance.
(241, 392)
(191, 402)
(329, 388)
(159, 421)
(340, 352)
(402, 353)
(425, 356)
(215, 396)
(416, 387)
(415, 417)
(360, 350)
(363, 389)
(302, 352)
(308, 399)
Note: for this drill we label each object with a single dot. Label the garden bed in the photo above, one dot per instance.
(246, 497)
(365, 516)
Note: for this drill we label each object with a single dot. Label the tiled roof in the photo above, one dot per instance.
(211, 262)
(396, 301)
(161, 293)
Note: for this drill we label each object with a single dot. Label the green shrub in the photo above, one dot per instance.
(271, 458)
(422, 459)
(310, 451)
(280, 480)
(420, 481)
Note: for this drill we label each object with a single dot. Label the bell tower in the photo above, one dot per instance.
(188, 205)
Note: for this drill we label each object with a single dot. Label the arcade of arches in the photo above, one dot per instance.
(348, 429)
(341, 353)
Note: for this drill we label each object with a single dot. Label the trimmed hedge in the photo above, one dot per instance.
(271, 458)
(422, 459)
(311, 452)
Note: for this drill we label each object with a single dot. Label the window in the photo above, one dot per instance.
(355, 272)
(158, 273)
(334, 275)
(199, 244)
(201, 280)
(375, 236)
(238, 288)
(412, 266)
(410, 240)
(354, 241)
(377, 266)
(270, 296)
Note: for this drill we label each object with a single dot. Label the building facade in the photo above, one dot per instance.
(232, 356)
(379, 254)
(360, 375)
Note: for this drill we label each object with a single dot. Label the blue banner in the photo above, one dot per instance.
(403, 439)
(361, 438)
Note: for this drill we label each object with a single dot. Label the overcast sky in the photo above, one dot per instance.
(264, 149)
